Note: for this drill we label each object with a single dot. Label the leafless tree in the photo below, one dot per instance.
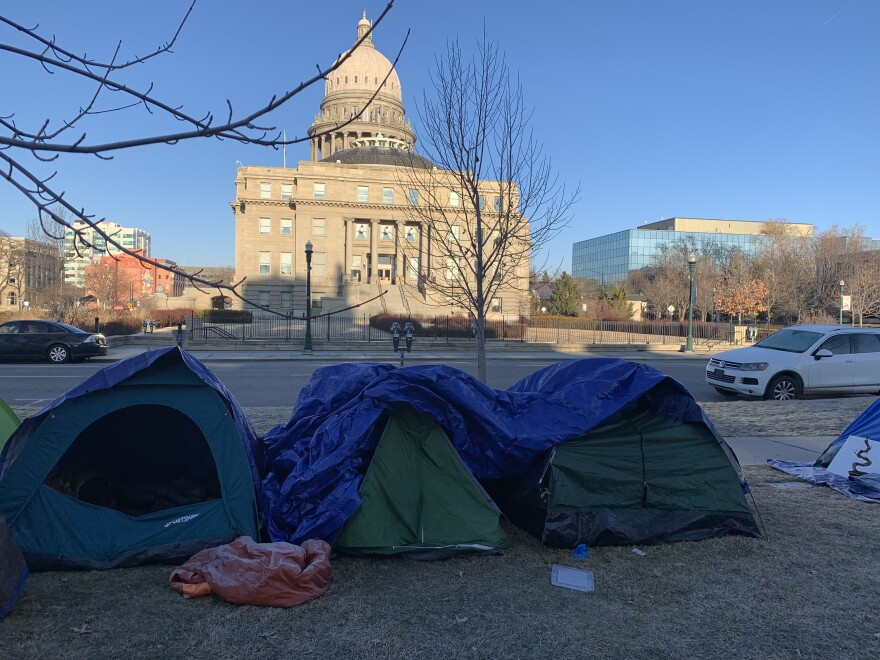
(785, 261)
(493, 199)
(858, 266)
(47, 140)
(837, 254)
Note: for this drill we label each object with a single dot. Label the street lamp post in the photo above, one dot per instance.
(692, 262)
(841, 301)
(308, 344)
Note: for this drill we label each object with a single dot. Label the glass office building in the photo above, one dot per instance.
(608, 259)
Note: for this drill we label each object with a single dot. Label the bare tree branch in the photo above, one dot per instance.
(55, 212)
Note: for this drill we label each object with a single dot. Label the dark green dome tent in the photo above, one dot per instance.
(147, 460)
(641, 476)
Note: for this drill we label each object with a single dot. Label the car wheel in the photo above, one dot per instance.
(58, 354)
(784, 388)
(724, 392)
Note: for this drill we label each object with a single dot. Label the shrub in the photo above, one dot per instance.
(165, 318)
(120, 326)
(228, 316)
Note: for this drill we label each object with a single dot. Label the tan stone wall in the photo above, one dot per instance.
(331, 224)
(27, 269)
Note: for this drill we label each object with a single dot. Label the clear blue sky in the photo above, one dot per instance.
(741, 109)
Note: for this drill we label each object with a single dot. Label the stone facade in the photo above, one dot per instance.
(28, 268)
(377, 214)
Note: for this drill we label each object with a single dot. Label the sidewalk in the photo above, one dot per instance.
(379, 353)
(757, 451)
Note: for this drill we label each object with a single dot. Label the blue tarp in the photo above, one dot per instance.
(314, 463)
(865, 488)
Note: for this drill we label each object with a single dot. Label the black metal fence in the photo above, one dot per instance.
(455, 329)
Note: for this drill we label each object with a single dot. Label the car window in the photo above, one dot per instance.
(793, 341)
(839, 345)
(54, 329)
(867, 343)
(9, 328)
(32, 327)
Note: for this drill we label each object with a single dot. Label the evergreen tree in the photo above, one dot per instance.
(566, 298)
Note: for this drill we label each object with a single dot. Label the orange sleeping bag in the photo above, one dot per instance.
(249, 573)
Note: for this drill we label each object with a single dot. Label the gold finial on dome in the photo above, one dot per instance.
(363, 27)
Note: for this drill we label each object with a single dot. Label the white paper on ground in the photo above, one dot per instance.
(842, 463)
(571, 578)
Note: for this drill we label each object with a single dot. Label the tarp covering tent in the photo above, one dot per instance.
(865, 488)
(419, 500)
(315, 463)
(147, 460)
(13, 569)
(8, 422)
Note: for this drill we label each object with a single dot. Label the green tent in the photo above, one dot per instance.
(8, 422)
(147, 460)
(419, 500)
(638, 478)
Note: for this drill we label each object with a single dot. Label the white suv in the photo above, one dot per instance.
(801, 359)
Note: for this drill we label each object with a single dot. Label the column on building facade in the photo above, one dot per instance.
(403, 252)
(423, 253)
(348, 238)
(314, 150)
(428, 266)
(374, 250)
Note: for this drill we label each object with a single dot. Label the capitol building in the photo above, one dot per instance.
(375, 211)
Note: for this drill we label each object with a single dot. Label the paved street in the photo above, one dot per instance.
(262, 378)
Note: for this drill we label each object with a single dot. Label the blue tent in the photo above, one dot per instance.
(315, 463)
(149, 459)
(13, 570)
(865, 488)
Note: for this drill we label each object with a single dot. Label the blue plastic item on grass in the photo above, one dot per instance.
(581, 552)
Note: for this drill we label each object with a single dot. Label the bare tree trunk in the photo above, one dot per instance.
(492, 198)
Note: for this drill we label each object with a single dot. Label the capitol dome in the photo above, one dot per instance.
(364, 71)
(362, 100)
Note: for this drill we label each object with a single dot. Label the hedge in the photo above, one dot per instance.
(227, 316)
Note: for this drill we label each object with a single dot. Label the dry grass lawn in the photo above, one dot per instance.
(811, 588)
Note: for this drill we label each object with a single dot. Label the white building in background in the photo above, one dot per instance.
(83, 246)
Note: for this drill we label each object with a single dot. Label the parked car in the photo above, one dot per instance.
(801, 359)
(51, 340)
